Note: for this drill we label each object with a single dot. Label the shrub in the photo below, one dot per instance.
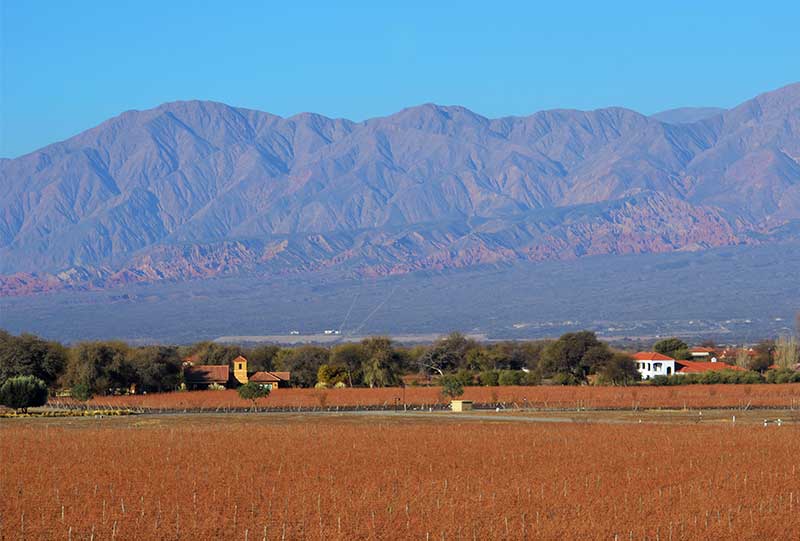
(466, 377)
(253, 391)
(711, 378)
(81, 392)
(489, 378)
(23, 392)
(510, 377)
(531, 378)
(565, 379)
(751, 377)
(782, 376)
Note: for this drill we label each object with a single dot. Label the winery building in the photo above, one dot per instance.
(229, 375)
(651, 364)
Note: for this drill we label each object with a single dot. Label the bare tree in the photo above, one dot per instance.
(743, 357)
(786, 352)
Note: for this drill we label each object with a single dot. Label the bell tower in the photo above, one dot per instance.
(240, 369)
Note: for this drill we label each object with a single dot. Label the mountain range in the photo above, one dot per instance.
(200, 189)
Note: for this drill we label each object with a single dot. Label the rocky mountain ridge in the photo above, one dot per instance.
(200, 189)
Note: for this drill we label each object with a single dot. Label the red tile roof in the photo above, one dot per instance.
(701, 349)
(210, 373)
(651, 356)
(269, 377)
(696, 367)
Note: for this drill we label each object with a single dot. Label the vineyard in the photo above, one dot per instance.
(538, 397)
(342, 478)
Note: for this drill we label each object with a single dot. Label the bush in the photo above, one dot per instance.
(711, 378)
(489, 378)
(253, 391)
(465, 377)
(565, 379)
(531, 378)
(81, 392)
(23, 392)
(725, 376)
(782, 376)
(751, 377)
(510, 377)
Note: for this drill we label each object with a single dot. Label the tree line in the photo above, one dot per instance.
(104, 367)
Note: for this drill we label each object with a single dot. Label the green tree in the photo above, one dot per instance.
(595, 357)
(762, 360)
(620, 369)
(381, 362)
(304, 363)
(447, 354)
(29, 355)
(574, 354)
(81, 391)
(157, 368)
(451, 387)
(352, 357)
(102, 366)
(253, 391)
(23, 392)
(262, 358)
(672, 347)
(331, 375)
(214, 353)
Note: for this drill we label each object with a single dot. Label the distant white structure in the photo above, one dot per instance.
(331, 331)
(703, 354)
(652, 364)
(294, 333)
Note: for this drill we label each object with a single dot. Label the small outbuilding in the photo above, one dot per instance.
(461, 405)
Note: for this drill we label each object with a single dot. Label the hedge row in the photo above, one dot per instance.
(729, 376)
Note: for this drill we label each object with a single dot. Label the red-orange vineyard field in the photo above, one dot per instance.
(343, 478)
(557, 397)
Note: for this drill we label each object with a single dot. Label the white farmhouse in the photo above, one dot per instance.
(651, 364)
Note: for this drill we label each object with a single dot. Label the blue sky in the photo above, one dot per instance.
(67, 66)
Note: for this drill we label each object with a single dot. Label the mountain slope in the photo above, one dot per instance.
(196, 189)
(687, 115)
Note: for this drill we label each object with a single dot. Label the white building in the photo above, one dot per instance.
(651, 364)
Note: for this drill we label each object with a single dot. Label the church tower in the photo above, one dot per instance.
(240, 369)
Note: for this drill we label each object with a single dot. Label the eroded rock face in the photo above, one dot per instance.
(199, 189)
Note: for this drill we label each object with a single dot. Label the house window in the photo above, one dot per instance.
(657, 366)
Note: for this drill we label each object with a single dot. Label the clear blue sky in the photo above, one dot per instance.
(67, 66)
